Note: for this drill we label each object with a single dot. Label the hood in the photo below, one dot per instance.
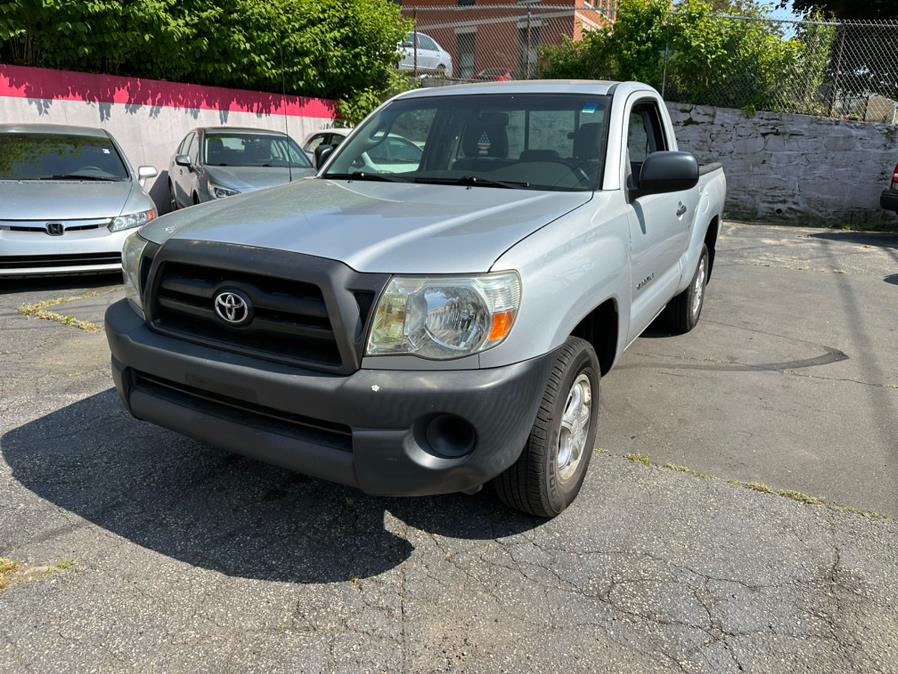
(249, 178)
(375, 227)
(62, 200)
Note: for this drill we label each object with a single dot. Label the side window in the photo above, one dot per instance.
(336, 139)
(645, 134)
(182, 148)
(637, 138)
(314, 142)
(193, 149)
(425, 42)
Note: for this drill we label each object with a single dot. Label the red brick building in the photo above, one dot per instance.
(501, 39)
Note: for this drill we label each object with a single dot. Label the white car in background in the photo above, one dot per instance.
(432, 58)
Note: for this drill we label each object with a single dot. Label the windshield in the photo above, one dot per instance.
(58, 156)
(524, 141)
(250, 149)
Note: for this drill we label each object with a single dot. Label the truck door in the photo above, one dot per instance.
(659, 223)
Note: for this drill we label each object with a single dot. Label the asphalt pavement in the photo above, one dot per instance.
(138, 549)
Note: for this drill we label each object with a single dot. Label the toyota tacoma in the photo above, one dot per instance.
(435, 320)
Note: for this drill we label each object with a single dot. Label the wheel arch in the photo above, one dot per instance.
(711, 241)
(601, 328)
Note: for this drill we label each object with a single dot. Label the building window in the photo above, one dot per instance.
(466, 50)
(465, 3)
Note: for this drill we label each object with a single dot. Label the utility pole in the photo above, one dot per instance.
(529, 24)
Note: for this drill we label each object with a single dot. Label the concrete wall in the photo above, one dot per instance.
(794, 169)
(147, 117)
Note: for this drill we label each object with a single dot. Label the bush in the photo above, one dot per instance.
(329, 48)
(700, 57)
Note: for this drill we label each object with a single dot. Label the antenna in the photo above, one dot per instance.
(284, 106)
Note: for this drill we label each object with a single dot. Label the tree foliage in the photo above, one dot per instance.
(847, 9)
(329, 48)
(697, 56)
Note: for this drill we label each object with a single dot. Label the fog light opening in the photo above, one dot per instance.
(450, 436)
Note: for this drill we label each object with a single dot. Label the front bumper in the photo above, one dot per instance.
(889, 200)
(75, 252)
(387, 432)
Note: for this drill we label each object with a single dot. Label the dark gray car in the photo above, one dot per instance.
(217, 162)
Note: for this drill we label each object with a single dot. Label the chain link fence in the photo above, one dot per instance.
(835, 69)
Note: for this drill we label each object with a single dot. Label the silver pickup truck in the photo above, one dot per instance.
(429, 321)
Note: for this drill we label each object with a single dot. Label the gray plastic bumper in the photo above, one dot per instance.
(387, 432)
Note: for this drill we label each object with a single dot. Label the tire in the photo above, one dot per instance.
(196, 198)
(683, 311)
(547, 478)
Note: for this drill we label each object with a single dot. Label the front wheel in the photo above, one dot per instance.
(549, 473)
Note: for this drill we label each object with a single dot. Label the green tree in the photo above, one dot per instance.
(697, 56)
(330, 48)
(847, 9)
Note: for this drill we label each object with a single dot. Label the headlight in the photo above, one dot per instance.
(445, 317)
(132, 220)
(132, 253)
(221, 192)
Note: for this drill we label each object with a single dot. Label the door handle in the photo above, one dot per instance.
(681, 208)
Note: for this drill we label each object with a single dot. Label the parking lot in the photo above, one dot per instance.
(700, 542)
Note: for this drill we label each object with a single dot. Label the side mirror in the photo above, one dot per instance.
(183, 160)
(144, 172)
(322, 152)
(667, 171)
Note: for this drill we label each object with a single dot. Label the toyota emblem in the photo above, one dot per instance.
(233, 307)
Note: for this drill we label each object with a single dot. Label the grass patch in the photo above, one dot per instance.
(11, 571)
(687, 470)
(791, 494)
(40, 311)
(7, 569)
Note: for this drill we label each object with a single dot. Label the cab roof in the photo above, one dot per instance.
(593, 87)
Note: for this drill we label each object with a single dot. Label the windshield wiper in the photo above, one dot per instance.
(78, 176)
(475, 181)
(361, 175)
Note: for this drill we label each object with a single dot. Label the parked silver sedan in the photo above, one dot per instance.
(68, 200)
(217, 162)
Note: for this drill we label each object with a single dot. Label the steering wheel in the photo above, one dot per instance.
(577, 168)
(581, 173)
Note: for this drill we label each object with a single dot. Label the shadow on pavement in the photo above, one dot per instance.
(892, 278)
(221, 511)
(71, 282)
(877, 239)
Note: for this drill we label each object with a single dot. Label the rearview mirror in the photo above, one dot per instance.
(667, 171)
(322, 152)
(183, 160)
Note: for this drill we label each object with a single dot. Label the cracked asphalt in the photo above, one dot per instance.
(189, 559)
